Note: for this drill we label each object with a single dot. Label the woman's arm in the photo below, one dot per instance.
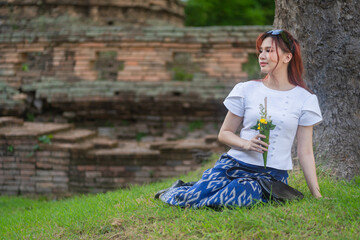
(228, 136)
(306, 158)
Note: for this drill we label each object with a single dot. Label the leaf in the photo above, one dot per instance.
(45, 139)
(36, 147)
(10, 148)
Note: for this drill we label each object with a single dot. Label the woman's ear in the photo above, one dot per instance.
(287, 58)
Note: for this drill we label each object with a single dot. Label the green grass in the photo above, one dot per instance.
(133, 214)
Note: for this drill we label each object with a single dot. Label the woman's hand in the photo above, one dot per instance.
(227, 135)
(255, 144)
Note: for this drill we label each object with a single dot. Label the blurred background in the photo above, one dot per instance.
(120, 75)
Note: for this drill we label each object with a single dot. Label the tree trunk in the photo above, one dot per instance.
(329, 33)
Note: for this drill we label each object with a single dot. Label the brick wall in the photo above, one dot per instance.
(73, 163)
(99, 12)
(126, 54)
(70, 60)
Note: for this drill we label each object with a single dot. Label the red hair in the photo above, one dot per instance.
(295, 67)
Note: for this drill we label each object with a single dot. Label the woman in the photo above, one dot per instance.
(294, 111)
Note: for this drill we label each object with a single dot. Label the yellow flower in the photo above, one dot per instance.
(263, 121)
(259, 128)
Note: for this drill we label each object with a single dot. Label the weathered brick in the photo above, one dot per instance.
(144, 174)
(166, 174)
(58, 173)
(61, 167)
(60, 154)
(27, 172)
(60, 179)
(92, 174)
(60, 187)
(26, 166)
(7, 158)
(43, 173)
(119, 180)
(183, 169)
(45, 187)
(8, 165)
(86, 168)
(10, 188)
(41, 165)
(43, 154)
(11, 172)
(36, 179)
(27, 188)
(174, 163)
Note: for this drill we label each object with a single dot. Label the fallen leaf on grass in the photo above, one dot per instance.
(117, 222)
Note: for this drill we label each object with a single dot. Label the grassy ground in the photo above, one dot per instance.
(133, 214)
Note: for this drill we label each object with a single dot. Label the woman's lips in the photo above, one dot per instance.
(263, 64)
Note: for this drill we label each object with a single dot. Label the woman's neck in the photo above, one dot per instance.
(278, 82)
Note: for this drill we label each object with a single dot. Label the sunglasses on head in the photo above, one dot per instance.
(282, 34)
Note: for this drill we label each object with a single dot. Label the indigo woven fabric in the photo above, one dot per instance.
(216, 190)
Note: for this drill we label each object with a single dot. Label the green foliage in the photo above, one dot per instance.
(251, 67)
(30, 117)
(196, 125)
(45, 139)
(105, 123)
(139, 136)
(25, 67)
(180, 74)
(124, 123)
(134, 214)
(10, 148)
(229, 12)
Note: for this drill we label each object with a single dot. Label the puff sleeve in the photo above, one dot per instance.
(235, 101)
(310, 112)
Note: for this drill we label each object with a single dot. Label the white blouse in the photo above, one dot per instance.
(288, 110)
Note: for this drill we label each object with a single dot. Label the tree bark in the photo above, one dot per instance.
(329, 33)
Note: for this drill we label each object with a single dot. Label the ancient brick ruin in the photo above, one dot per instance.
(52, 158)
(130, 65)
(98, 12)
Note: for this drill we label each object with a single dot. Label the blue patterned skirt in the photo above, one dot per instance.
(216, 190)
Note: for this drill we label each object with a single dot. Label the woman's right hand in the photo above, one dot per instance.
(256, 144)
(227, 135)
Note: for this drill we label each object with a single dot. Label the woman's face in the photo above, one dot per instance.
(268, 58)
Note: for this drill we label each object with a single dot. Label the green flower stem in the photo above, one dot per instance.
(265, 132)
